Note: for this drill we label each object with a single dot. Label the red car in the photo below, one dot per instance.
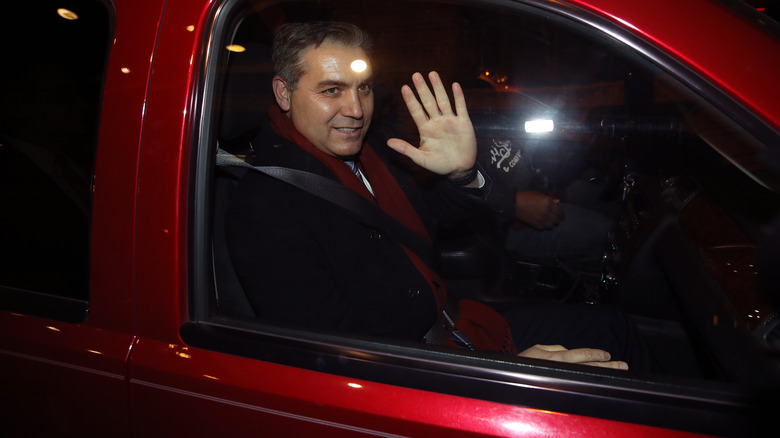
(118, 316)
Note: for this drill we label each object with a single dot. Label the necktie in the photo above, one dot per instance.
(354, 166)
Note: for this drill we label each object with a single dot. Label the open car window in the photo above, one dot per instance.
(690, 192)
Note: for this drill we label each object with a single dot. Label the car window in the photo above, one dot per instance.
(690, 195)
(51, 83)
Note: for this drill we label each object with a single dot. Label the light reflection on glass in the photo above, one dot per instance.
(355, 385)
(538, 126)
(236, 48)
(67, 14)
(358, 66)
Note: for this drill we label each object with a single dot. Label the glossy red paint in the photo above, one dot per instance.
(67, 377)
(164, 155)
(126, 371)
(116, 175)
(217, 390)
(743, 61)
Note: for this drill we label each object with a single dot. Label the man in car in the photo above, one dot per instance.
(305, 262)
(539, 226)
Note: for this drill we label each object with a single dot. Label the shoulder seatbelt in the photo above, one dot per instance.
(357, 206)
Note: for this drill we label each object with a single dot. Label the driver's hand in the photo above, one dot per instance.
(585, 356)
(537, 210)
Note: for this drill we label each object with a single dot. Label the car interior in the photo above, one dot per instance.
(691, 193)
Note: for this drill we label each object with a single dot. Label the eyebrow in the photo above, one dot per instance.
(331, 83)
(337, 83)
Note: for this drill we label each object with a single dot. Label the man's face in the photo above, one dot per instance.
(334, 102)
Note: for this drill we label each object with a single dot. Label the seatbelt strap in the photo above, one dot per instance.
(361, 209)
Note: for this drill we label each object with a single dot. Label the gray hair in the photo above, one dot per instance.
(294, 39)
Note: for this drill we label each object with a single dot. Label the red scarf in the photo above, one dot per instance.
(388, 195)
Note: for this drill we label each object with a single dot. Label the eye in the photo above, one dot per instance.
(330, 91)
(364, 88)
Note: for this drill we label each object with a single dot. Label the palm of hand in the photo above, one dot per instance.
(448, 145)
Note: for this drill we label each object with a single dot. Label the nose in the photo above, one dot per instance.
(352, 105)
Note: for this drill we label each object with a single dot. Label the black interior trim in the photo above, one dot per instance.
(44, 305)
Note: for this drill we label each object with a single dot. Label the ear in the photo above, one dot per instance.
(281, 93)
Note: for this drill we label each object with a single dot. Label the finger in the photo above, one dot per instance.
(460, 100)
(405, 148)
(426, 98)
(615, 364)
(442, 99)
(554, 220)
(584, 355)
(542, 351)
(557, 209)
(413, 105)
(547, 220)
(550, 347)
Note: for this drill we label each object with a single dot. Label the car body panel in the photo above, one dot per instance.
(65, 378)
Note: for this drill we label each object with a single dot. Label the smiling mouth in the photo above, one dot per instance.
(347, 130)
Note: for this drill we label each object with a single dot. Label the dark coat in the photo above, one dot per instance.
(305, 262)
(510, 170)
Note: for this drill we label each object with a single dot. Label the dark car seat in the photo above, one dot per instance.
(230, 297)
(245, 99)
